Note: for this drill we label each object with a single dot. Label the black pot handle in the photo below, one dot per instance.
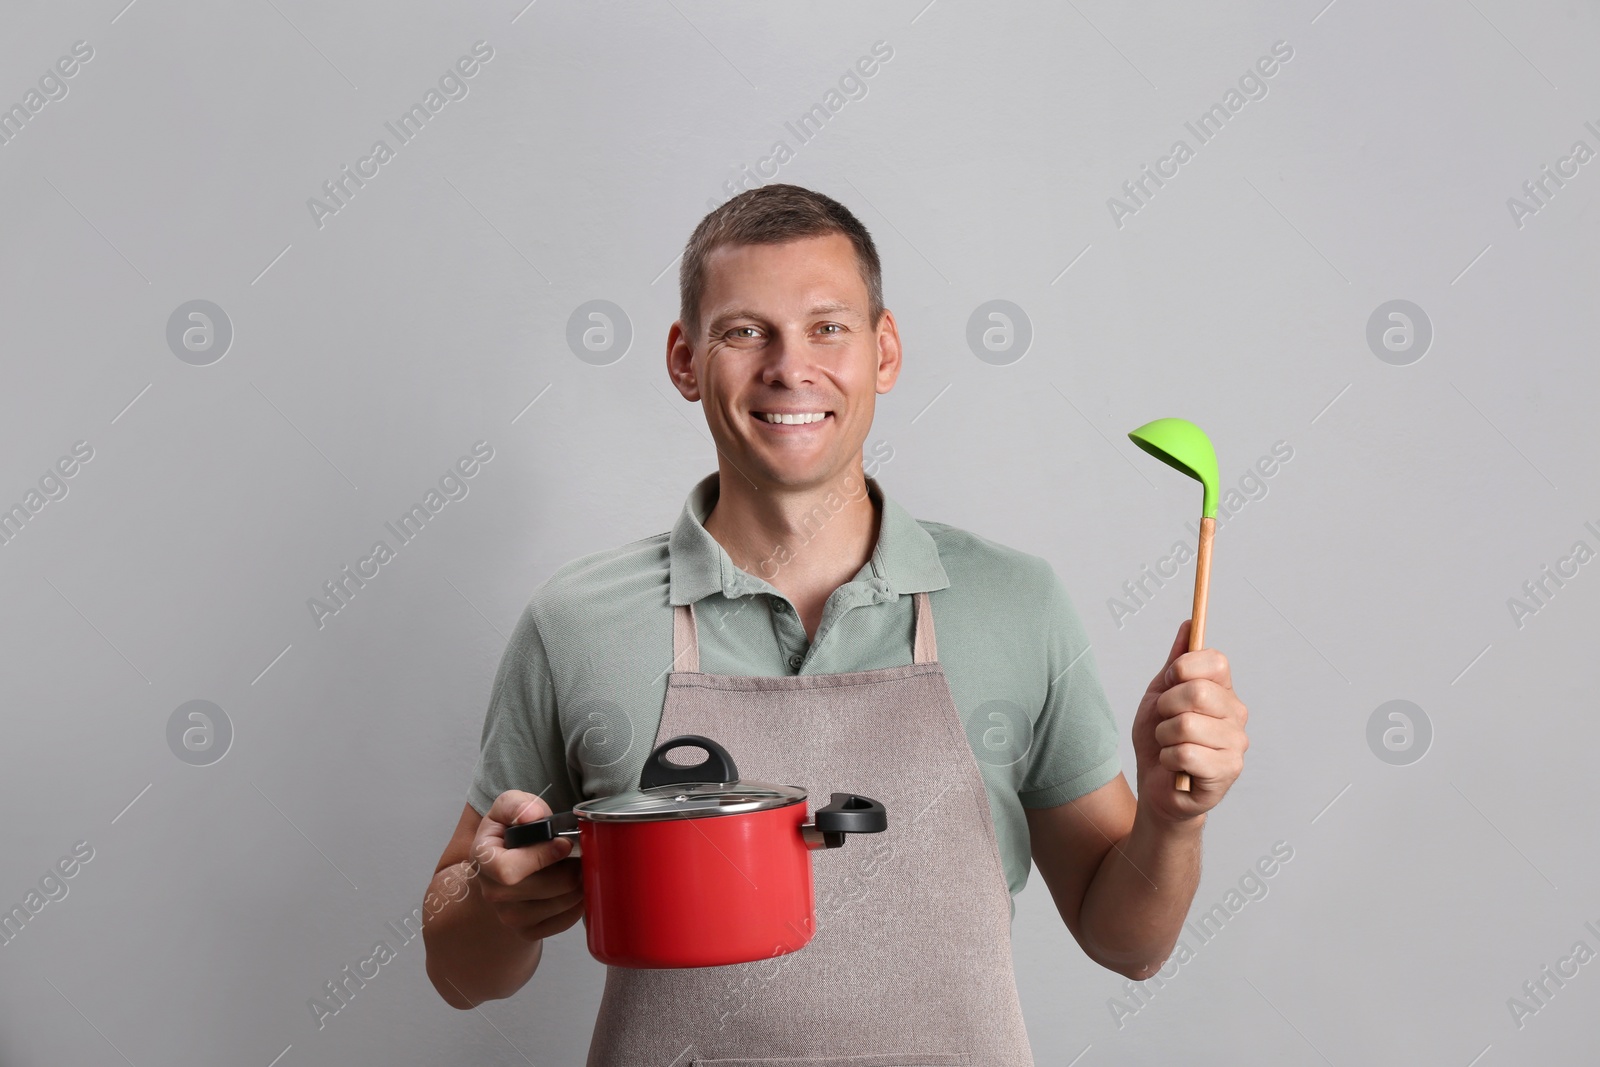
(534, 833)
(847, 813)
(718, 766)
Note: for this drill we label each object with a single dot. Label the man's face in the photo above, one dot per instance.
(785, 333)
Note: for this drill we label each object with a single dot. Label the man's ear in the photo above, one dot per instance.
(888, 343)
(680, 363)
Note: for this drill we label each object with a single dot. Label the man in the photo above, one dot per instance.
(790, 615)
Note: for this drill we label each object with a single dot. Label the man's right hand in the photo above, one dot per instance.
(536, 891)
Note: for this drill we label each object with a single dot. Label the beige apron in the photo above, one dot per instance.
(910, 962)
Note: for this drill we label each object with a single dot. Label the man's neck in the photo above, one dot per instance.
(805, 542)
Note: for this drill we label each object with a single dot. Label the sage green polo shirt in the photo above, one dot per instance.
(577, 699)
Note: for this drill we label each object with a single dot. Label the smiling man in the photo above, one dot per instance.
(790, 615)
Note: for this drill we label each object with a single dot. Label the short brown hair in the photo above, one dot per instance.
(771, 214)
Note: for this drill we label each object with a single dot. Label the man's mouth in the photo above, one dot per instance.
(791, 418)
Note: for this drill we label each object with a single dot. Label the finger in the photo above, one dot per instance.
(1198, 761)
(510, 866)
(1202, 663)
(515, 806)
(1204, 696)
(530, 918)
(1194, 728)
(557, 880)
(524, 913)
(1180, 641)
(557, 923)
(1180, 644)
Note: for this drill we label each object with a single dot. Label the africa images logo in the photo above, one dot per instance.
(342, 588)
(1205, 128)
(453, 85)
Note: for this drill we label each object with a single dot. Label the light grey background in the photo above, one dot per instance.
(432, 311)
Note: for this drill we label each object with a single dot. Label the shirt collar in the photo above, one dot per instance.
(905, 559)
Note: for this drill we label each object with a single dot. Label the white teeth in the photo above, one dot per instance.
(793, 420)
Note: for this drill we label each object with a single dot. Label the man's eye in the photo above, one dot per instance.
(832, 325)
(741, 329)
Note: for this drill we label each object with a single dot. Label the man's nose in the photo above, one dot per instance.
(787, 359)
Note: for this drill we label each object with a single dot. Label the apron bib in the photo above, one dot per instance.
(910, 962)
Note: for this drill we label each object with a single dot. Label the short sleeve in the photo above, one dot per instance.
(1075, 738)
(521, 746)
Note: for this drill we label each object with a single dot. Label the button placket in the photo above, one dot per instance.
(789, 631)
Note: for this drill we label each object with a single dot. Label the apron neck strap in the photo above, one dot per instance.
(686, 641)
(924, 649)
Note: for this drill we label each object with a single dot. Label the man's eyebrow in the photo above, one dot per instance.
(825, 308)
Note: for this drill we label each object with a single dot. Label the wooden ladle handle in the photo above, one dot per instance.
(1202, 587)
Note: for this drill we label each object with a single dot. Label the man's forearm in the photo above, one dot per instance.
(1136, 904)
(471, 955)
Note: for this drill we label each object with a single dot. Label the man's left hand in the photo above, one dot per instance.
(1189, 720)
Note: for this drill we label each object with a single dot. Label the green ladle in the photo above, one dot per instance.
(1181, 444)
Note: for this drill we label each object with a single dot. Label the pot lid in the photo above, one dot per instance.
(689, 801)
(674, 791)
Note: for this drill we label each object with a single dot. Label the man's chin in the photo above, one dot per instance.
(792, 473)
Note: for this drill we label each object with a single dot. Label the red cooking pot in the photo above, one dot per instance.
(696, 868)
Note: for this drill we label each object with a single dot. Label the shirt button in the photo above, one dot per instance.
(795, 661)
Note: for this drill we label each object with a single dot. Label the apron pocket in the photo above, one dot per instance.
(877, 1059)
